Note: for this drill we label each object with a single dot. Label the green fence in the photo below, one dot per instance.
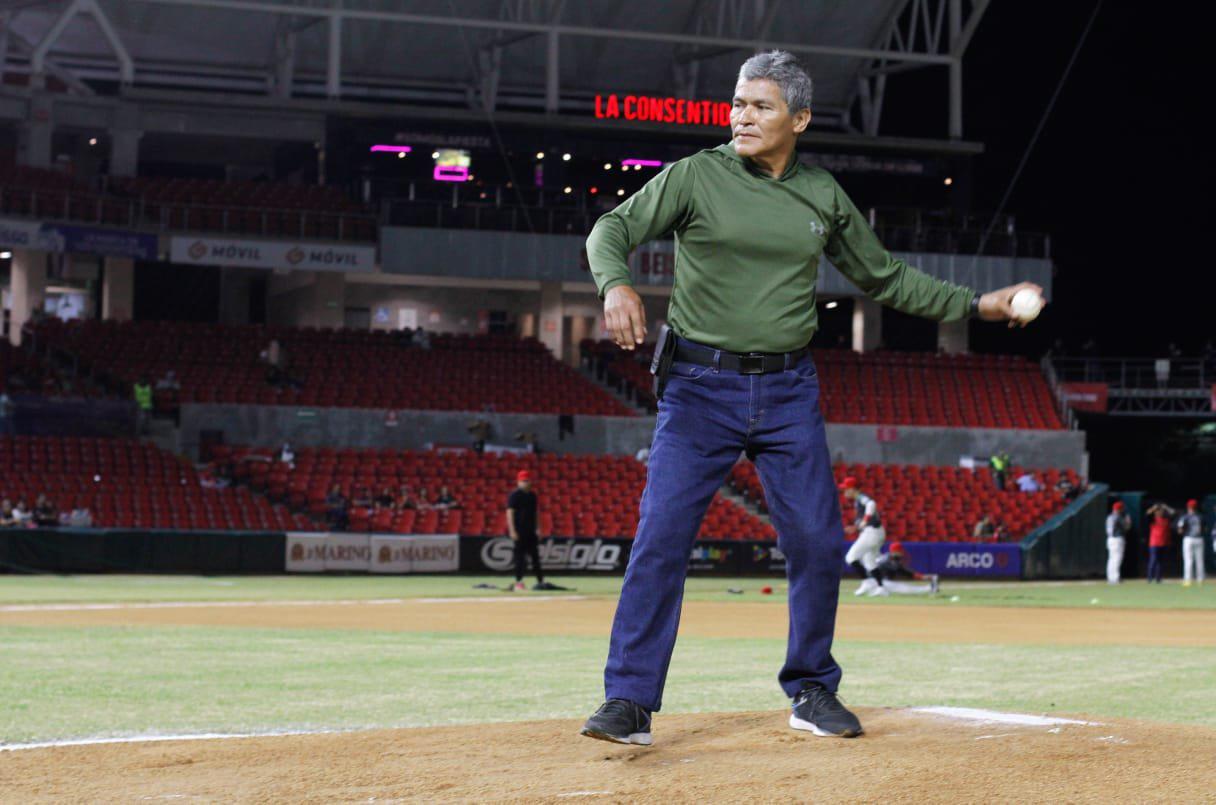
(1072, 544)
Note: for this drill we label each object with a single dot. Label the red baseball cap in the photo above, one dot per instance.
(1118, 506)
(523, 475)
(849, 483)
(1192, 504)
(896, 548)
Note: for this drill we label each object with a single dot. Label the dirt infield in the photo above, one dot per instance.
(906, 756)
(593, 616)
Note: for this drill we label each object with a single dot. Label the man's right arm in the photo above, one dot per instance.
(662, 205)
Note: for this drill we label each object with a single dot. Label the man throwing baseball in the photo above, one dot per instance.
(735, 373)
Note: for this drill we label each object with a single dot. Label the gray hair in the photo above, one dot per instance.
(783, 69)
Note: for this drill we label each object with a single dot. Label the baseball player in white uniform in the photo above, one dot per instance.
(1190, 525)
(865, 551)
(1117, 526)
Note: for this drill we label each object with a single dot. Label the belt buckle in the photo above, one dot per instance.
(751, 363)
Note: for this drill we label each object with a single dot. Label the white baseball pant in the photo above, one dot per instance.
(867, 547)
(1114, 557)
(1192, 558)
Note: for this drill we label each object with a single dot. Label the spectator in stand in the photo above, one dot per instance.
(1000, 467)
(6, 414)
(1190, 526)
(169, 382)
(446, 500)
(79, 517)
(287, 456)
(522, 517)
(1067, 490)
(362, 499)
(423, 501)
(385, 499)
(22, 513)
(335, 508)
(404, 499)
(1158, 538)
(984, 530)
(1028, 483)
(480, 430)
(142, 392)
(1001, 533)
(45, 513)
(7, 518)
(422, 339)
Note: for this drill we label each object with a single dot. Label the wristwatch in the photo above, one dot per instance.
(975, 305)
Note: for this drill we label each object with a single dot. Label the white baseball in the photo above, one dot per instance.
(1026, 305)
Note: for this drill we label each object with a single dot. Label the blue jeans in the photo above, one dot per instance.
(706, 418)
(1154, 564)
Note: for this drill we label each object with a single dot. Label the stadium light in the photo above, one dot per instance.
(5, 255)
(434, 155)
(565, 157)
(540, 154)
(567, 189)
(92, 141)
(949, 181)
(620, 191)
(832, 305)
(607, 166)
(593, 190)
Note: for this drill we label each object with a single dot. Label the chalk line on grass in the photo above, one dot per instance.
(244, 604)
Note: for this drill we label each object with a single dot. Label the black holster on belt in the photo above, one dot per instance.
(660, 364)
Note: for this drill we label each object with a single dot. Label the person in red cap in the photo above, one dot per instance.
(864, 552)
(1158, 539)
(522, 517)
(1190, 526)
(1117, 526)
(890, 568)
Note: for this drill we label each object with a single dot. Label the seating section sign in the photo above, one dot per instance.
(309, 552)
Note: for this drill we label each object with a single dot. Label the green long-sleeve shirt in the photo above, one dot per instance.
(748, 248)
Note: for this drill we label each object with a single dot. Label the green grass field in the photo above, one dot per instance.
(68, 682)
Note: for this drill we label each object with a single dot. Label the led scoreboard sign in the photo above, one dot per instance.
(659, 109)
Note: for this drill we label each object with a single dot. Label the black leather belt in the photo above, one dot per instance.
(745, 363)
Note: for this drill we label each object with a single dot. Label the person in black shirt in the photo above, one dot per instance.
(521, 525)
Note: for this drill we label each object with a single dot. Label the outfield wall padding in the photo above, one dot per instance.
(1072, 544)
(87, 550)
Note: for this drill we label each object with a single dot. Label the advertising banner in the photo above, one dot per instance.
(308, 552)
(496, 554)
(602, 555)
(47, 237)
(244, 253)
(1085, 396)
(423, 553)
(305, 553)
(108, 242)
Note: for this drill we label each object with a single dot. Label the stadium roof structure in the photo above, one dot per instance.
(547, 59)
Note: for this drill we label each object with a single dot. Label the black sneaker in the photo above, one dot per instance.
(817, 710)
(620, 721)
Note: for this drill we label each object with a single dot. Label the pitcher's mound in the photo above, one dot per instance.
(905, 756)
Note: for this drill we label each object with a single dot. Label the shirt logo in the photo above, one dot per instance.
(818, 228)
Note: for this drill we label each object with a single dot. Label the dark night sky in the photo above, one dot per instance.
(1118, 174)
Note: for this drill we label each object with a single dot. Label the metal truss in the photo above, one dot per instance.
(1192, 403)
(920, 28)
(732, 25)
